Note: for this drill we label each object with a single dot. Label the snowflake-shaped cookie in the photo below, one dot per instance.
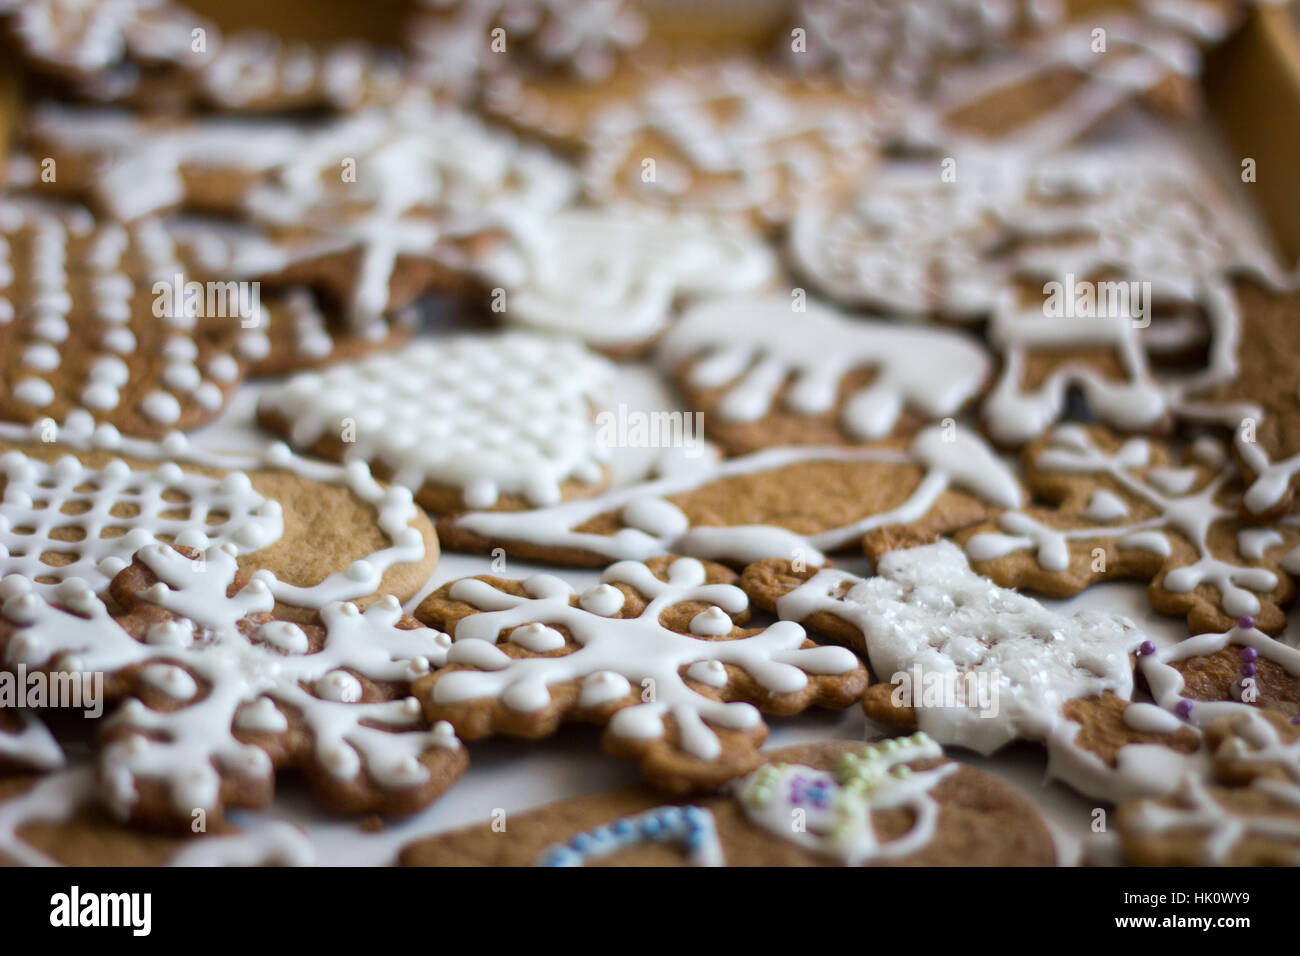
(220, 691)
(472, 422)
(1123, 509)
(654, 653)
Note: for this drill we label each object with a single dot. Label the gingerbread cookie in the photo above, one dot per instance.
(501, 421)
(1127, 509)
(80, 500)
(56, 820)
(896, 802)
(26, 744)
(656, 653)
(765, 372)
(456, 43)
(1115, 242)
(98, 316)
(723, 138)
(1204, 825)
(798, 503)
(160, 54)
(220, 691)
(613, 276)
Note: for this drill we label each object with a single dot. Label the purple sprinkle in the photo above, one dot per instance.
(1146, 648)
(1296, 719)
(1246, 622)
(1248, 654)
(1183, 709)
(1247, 670)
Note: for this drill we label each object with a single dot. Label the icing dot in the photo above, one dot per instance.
(161, 407)
(713, 622)
(603, 599)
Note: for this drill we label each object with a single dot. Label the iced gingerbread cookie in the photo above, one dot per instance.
(372, 209)
(107, 318)
(219, 691)
(1241, 688)
(458, 43)
(56, 820)
(1089, 269)
(723, 138)
(797, 503)
(159, 54)
(79, 501)
(614, 276)
(656, 653)
(977, 666)
(767, 371)
(26, 744)
(1128, 509)
(897, 802)
(503, 421)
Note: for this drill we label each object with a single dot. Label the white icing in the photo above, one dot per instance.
(1189, 515)
(926, 609)
(956, 459)
(751, 347)
(637, 650)
(40, 497)
(189, 748)
(612, 277)
(490, 416)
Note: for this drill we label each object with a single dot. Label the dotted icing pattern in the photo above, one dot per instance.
(89, 318)
(691, 827)
(255, 670)
(489, 416)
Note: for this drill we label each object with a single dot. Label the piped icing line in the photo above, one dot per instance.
(250, 677)
(613, 276)
(926, 609)
(1221, 828)
(837, 807)
(950, 459)
(506, 414)
(1166, 683)
(394, 505)
(752, 346)
(693, 828)
(58, 797)
(1182, 509)
(32, 745)
(616, 655)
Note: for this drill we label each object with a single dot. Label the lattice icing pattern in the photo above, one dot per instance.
(63, 520)
(262, 675)
(617, 655)
(487, 416)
